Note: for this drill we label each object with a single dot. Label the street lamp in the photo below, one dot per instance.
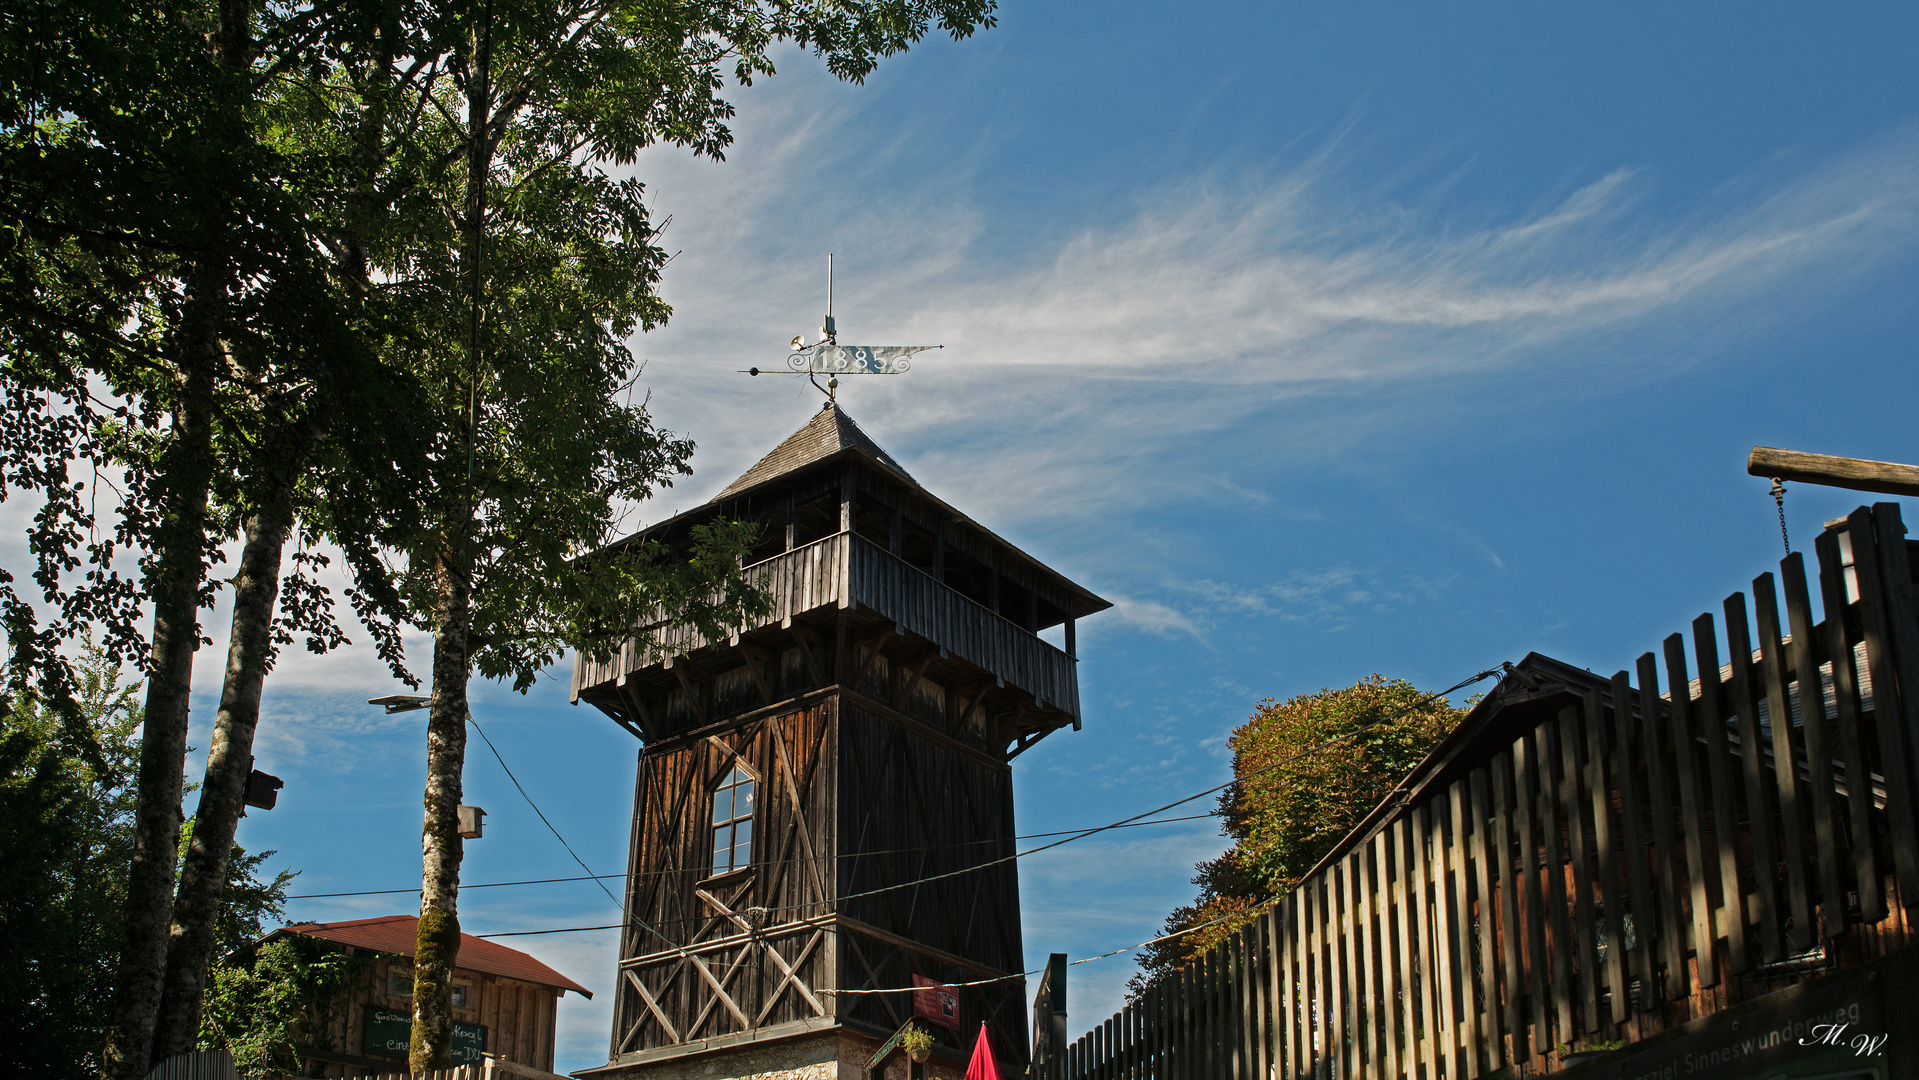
(472, 818)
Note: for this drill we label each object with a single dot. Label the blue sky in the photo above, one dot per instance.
(1323, 339)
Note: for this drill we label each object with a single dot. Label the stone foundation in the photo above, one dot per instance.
(831, 1055)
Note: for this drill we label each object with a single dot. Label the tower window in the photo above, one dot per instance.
(733, 821)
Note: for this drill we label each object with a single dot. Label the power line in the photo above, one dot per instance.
(1309, 751)
(537, 810)
(1075, 963)
(1082, 834)
(625, 914)
(769, 862)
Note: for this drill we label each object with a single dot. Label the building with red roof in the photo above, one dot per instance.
(505, 1002)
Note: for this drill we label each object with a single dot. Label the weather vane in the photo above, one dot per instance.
(829, 358)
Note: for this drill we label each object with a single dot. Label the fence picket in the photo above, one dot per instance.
(1553, 854)
(1709, 719)
(1531, 929)
(1286, 1049)
(1860, 814)
(1465, 1047)
(1391, 916)
(1572, 798)
(1517, 1047)
(1259, 953)
(1425, 952)
(1775, 660)
(1891, 702)
(1445, 925)
(1812, 712)
(1692, 824)
(1485, 971)
(1609, 880)
(1744, 690)
(1639, 895)
(1666, 854)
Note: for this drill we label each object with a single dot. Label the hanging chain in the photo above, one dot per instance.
(1779, 497)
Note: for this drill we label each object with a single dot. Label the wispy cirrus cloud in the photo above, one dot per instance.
(1108, 365)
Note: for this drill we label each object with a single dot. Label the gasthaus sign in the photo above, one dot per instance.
(1832, 1032)
(388, 1032)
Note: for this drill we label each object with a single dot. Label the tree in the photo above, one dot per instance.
(530, 268)
(160, 294)
(248, 251)
(66, 836)
(269, 1004)
(1306, 772)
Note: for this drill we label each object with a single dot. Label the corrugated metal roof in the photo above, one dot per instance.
(829, 432)
(396, 934)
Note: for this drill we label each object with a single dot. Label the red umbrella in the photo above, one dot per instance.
(982, 1067)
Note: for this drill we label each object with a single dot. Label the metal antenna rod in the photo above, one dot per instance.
(828, 332)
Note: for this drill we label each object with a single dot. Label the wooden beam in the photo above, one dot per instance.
(792, 976)
(763, 667)
(873, 979)
(809, 646)
(799, 809)
(719, 989)
(966, 699)
(1857, 474)
(693, 681)
(890, 938)
(630, 695)
(652, 1006)
(912, 680)
(872, 649)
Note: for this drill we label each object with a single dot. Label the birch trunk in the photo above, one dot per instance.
(438, 945)
(203, 872)
(174, 586)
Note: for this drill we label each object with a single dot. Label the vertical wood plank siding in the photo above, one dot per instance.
(1622, 861)
(843, 571)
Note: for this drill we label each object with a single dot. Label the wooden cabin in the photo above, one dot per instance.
(824, 804)
(505, 1003)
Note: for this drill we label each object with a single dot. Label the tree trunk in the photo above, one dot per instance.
(438, 946)
(203, 873)
(174, 586)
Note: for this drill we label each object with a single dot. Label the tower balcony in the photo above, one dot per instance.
(844, 603)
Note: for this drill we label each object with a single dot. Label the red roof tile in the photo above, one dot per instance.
(396, 934)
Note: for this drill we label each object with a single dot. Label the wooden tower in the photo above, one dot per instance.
(804, 784)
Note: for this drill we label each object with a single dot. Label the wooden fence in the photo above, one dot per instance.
(1618, 857)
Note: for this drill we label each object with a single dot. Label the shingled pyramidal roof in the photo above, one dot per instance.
(829, 432)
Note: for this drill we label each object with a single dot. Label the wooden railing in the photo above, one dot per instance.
(808, 577)
(909, 596)
(844, 570)
(1655, 848)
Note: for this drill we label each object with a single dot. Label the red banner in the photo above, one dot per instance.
(936, 1002)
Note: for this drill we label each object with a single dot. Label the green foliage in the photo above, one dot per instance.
(66, 814)
(286, 995)
(66, 835)
(1294, 799)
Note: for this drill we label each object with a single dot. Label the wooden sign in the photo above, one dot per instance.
(388, 1032)
(1837, 1030)
(936, 1002)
